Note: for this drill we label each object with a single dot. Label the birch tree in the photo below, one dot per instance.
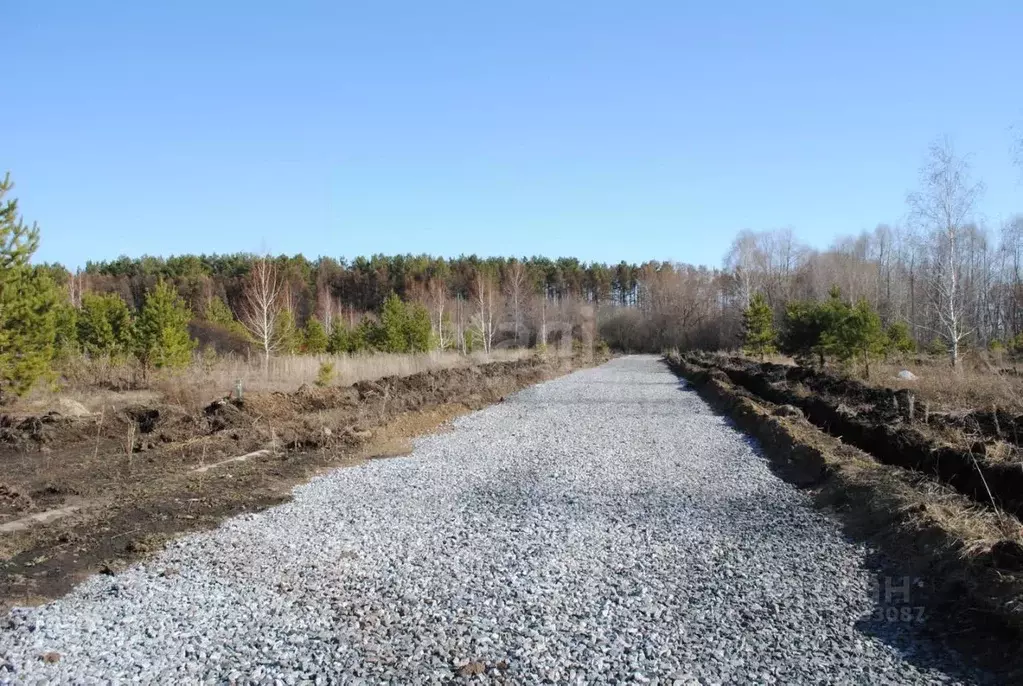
(263, 304)
(945, 202)
(515, 286)
(483, 319)
(438, 297)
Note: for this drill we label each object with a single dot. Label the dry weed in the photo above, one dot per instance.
(112, 384)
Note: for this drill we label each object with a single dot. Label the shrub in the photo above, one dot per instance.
(325, 374)
(937, 346)
(899, 340)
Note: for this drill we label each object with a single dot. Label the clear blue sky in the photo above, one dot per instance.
(602, 130)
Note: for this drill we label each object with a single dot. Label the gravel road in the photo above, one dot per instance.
(605, 527)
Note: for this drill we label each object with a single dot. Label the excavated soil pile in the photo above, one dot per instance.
(880, 469)
(979, 459)
(87, 493)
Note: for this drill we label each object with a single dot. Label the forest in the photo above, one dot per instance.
(951, 282)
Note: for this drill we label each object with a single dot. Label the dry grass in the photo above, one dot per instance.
(984, 380)
(100, 384)
(978, 384)
(289, 372)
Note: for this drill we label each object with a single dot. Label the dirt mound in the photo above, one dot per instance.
(982, 461)
(151, 470)
(968, 558)
(72, 408)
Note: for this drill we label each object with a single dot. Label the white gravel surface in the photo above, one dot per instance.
(605, 527)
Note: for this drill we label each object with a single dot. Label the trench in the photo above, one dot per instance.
(998, 484)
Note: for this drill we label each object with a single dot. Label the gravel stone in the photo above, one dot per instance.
(604, 527)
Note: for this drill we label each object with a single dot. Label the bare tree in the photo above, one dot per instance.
(943, 206)
(326, 306)
(483, 319)
(263, 302)
(438, 294)
(515, 285)
(75, 288)
(742, 260)
(460, 326)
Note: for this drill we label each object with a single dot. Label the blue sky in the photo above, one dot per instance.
(602, 130)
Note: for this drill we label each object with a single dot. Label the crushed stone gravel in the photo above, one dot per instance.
(604, 527)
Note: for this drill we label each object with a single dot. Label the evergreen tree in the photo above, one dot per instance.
(899, 340)
(339, 340)
(104, 324)
(314, 337)
(808, 331)
(365, 336)
(393, 324)
(218, 312)
(758, 327)
(418, 329)
(65, 328)
(161, 332)
(27, 299)
(287, 333)
(859, 335)
(803, 332)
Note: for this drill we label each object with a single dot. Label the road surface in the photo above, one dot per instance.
(604, 527)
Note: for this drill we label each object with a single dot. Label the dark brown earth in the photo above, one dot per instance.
(119, 486)
(967, 554)
(975, 451)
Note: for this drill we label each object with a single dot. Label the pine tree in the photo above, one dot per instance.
(314, 337)
(858, 335)
(339, 341)
(218, 312)
(393, 325)
(899, 340)
(418, 329)
(287, 334)
(809, 328)
(758, 327)
(161, 332)
(27, 300)
(104, 324)
(66, 329)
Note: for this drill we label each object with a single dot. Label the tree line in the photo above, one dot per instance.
(941, 277)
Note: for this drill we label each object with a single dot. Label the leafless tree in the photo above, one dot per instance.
(460, 322)
(742, 261)
(438, 295)
(943, 206)
(542, 339)
(483, 318)
(75, 288)
(515, 286)
(263, 298)
(326, 306)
